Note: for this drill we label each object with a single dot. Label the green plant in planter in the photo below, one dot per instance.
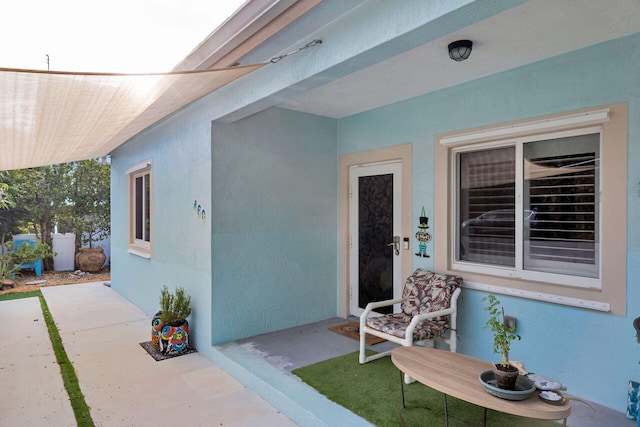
(169, 327)
(174, 307)
(9, 270)
(26, 254)
(502, 334)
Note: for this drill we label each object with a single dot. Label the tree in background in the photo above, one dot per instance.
(89, 202)
(41, 198)
(75, 196)
(4, 199)
(7, 205)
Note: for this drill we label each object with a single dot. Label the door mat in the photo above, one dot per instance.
(157, 355)
(352, 330)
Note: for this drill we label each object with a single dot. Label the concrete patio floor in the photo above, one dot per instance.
(122, 384)
(247, 383)
(33, 393)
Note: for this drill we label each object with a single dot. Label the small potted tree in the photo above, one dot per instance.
(506, 375)
(89, 216)
(169, 327)
(91, 228)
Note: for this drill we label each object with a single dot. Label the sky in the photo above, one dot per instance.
(117, 36)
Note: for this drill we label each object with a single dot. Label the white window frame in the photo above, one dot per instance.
(140, 247)
(518, 271)
(611, 296)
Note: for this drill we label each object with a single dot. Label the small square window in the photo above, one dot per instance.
(140, 209)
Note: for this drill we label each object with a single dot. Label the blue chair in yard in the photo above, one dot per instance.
(37, 264)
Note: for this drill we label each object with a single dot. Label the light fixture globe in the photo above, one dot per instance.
(460, 50)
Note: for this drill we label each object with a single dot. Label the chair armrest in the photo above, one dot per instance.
(384, 303)
(372, 305)
(430, 315)
(425, 316)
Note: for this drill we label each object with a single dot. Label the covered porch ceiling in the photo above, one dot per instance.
(530, 32)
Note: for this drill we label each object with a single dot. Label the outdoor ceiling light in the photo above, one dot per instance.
(460, 50)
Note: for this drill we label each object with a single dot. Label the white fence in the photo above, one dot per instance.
(64, 246)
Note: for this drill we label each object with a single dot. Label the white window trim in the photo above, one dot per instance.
(523, 128)
(139, 166)
(612, 297)
(540, 296)
(136, 246)
(139, 253)
(518, 270)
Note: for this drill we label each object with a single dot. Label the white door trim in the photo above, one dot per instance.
(402, 153)
(355, 172)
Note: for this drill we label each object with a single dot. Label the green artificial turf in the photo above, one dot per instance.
(19, 295)
(373, 391)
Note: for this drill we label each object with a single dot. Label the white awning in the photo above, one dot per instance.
(49, 117)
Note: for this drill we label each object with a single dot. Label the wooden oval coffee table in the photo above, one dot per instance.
(457, 375)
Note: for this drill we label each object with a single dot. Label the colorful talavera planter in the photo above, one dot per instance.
(156, 327)
(169, 338)
(174, 337)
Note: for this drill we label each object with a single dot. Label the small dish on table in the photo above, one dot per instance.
(551, 397)
(524, 387)
(545, 383)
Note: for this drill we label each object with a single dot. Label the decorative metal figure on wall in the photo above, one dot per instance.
(422, 235)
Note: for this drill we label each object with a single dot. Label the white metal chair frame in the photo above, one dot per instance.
(408, 341)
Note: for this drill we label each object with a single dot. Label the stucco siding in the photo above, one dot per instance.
(274, 224)
(179, 149)
(593, 353)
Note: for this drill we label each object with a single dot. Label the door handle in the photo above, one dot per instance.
(395, 244)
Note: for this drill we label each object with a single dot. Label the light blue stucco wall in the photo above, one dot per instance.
(593, 354)
(180, 151)
(266, 258)
(274, 223)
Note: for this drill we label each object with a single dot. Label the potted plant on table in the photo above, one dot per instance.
(506, 374)
(169, 326)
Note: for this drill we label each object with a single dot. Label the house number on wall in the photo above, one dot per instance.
(199, 211)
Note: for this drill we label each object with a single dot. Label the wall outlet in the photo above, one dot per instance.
(510, 322)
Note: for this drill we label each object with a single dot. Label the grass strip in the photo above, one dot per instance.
(19, 295)
(71, 384)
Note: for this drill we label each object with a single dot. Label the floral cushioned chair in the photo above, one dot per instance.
(428, 309)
